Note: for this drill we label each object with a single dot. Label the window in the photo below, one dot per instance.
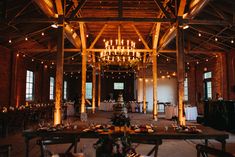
(52, 88)
(88, 90)
(207, 75)
(186, 89)
(29, 85)
(208, 85)
(65, 90)
(118, 85)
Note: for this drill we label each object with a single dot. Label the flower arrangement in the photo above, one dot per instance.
(120, 120)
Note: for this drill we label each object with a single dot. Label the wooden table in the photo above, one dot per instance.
(147, 138)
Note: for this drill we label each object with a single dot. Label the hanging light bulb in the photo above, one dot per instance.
(216, 39)
(199, 34)
(197, 62)
(17, 55)
(232, 41)
(139, 39)
(32, 59)
(206, 60)
(87, 35)
(41, 62)
(26, 39)
(10, 41)
(43, 34)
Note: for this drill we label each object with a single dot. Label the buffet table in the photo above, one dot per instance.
(155, 137)
(106, 106)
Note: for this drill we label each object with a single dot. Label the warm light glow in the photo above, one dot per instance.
(41, 62)
(174, 74)
(32, 60)
(17, 55)
(45, 66)
(55, 25)
(216, 39)
(206, 60)
(232, 41)
(186, 27)
(119, 52)
(87, 35)
(140, 79)
(199, 34)
(197, 62)
(163, 77)
(43, 34)
(26, 39)
(139, 39)
(10, 41)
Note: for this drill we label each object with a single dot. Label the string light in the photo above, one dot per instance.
(199, 34)
(139, 39)
(43, 34)
(32, 60)
(87, 35)
(41, 62)
(216, 39)
(10, 41)
(232, 41)
(17, 55)
(26, 39)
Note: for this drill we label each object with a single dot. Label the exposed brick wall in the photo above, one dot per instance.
(13, 73)
(5, 74)
(231, 74)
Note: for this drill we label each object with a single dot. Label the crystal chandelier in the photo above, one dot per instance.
(119, 52)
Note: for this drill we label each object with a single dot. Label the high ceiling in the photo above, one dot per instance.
(137, 18)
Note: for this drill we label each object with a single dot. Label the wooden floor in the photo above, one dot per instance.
(169, 148)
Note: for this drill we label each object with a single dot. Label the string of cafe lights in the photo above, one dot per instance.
(216, 37)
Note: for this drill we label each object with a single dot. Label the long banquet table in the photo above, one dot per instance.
(148, 138)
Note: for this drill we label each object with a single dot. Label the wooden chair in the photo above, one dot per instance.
(5, 150)
(44, 142)
(205, 151)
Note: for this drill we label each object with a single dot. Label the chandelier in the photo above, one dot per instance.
(119, 52)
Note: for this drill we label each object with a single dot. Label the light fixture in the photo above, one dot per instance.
(54, 25)
(199, 34)
(10, 41)
(232, 41)
(216, 39)
(43, 34)
(185, 26)
(26, 39)
(119, 52)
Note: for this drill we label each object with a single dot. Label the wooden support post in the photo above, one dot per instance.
(59, 71)
(180, 70)
(154, 68)
(93, 82)
(99, 86)
(144, 88)
(83, 91)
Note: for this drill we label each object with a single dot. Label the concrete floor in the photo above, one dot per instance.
(169, 148)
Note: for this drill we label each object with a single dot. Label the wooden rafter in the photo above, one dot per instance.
(97, 37)
(140, 36)
(159, 4)
(156, 35)
(181, 7)
(59, 7)
(80, 5)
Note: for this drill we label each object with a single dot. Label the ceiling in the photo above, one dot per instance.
(30, 18)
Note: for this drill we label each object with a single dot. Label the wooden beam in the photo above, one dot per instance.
(99, 85)
(180, 57)
(207, 22)
(59, 72)
(181, 7)
(154, 70)
(156, 35)
(83, 89)
(141, 38)
(59, 7)
(159, 4)
(95, 19)
(97, 37)
(143, 41)
(80, 5)
(93, 83)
